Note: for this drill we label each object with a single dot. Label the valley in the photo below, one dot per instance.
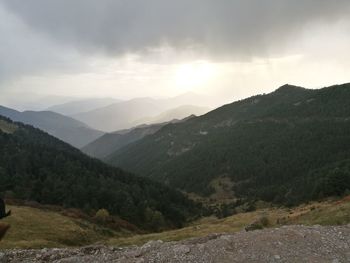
(157, 131)
(267, 163)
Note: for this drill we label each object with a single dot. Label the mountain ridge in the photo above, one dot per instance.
(65, 128)
(119, 116)
(266, 133)
(177, 113)
(78, 106)
(105, 145)
(134, 112)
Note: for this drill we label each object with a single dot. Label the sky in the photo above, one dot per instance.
(225, 49)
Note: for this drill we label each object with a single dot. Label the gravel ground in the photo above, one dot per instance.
(286, 244)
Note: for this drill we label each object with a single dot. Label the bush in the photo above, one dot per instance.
(102, 215)
(258, 224)
(264, 221)
(155, 219)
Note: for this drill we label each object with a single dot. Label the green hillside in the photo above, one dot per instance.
(36, 166)
(111, 142)
(278, 147)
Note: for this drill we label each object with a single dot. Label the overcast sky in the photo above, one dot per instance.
(227, 49)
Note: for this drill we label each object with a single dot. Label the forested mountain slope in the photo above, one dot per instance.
(111, 142)
(36, 166)
(280, 147)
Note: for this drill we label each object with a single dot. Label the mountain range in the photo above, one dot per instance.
(65, 128)
(37, 167)
(121, 115)
(288, 146)
(177, 113)
(131, 113)
(79, 106)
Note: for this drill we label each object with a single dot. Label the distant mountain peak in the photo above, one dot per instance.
(288, 87)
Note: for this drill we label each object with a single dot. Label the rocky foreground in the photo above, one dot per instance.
(285, 244)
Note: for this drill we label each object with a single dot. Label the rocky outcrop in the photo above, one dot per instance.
(285, 244)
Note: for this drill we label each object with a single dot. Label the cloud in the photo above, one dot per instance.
(238, 29)
(130, 48)
(24, 51)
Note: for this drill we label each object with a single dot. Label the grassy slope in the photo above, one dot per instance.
(7, 127)
(37, 228)
(323, 213)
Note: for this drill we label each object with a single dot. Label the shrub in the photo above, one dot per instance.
(258, 224)
(102, 215)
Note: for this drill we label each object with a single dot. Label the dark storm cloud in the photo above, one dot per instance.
(238, 28)
(23, 52)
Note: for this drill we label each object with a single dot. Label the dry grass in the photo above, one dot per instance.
(3, 230)
(203, 227)
(7, 127)
(324, 213)
(36, 228)
(327, 213)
